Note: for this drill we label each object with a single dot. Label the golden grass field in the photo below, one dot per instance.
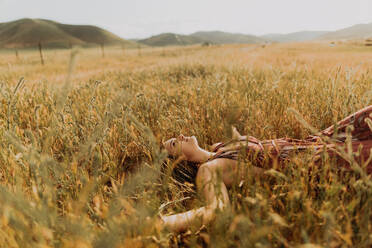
(80, 156)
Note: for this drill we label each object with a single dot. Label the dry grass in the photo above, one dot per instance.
(80, 158)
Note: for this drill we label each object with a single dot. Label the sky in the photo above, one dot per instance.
(143, 18)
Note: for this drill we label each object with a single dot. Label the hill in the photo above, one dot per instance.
(29, 32)
(218, 37)
(359, 31)
(170, 39)
(295, 37)
(214, 37)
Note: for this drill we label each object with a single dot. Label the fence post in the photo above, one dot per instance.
(123, 48)
(139, 50)
(103, 49)
(41, 53)
(16, 53)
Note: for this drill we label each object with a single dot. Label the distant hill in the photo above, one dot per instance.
(29, 32)
(170, 39)
(295, 37)
(359, 31)
(218, 37)
(213, 37)
(356, 32)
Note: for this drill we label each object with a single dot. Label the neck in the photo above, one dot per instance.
(201, 156)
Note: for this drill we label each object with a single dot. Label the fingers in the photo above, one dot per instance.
(235, 133)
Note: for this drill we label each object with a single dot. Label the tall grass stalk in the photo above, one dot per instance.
(81, 163)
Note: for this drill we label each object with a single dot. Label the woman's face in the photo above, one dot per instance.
(186, 146)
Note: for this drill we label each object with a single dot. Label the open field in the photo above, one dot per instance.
(79, 144)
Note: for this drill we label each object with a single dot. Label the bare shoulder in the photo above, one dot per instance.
(218, 162)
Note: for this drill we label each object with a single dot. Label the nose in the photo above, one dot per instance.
(181, 137)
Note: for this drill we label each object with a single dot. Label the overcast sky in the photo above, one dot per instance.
(143, 18)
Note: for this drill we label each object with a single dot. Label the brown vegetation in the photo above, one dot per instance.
(80, 157)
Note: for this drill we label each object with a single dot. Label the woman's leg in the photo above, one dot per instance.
(359, 150)
(359, 122)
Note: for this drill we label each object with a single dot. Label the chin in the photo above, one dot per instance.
(194, 140)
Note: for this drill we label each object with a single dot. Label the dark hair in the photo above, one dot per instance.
(183, 171)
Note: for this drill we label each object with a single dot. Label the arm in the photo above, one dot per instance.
(235, 136)
(211, 182)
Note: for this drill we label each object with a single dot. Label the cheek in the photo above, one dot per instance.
(176, 151)
(169, 150)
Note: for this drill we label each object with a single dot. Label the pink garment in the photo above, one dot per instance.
(266, 153)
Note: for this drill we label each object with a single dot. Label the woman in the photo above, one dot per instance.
(219, 168)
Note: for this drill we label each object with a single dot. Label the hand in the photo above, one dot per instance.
(235, 134)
